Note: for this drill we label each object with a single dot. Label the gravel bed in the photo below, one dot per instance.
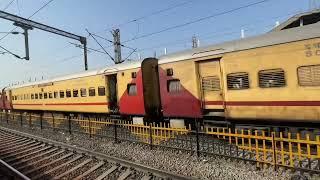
(177, 161)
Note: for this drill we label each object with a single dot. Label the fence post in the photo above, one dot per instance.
(21, 119)
(150, 135)
(90, 128)
(197, 137)
(41, 118)
(7, 117)
(53, 126)
(30, 120)
(115, 131)
(69, 124)
(274, 151)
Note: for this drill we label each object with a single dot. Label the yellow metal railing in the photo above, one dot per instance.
(272, 149)
(153, 133)
(277, 149)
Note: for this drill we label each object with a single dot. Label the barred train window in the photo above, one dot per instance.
(309, 75)
(55, 94)
(68, 93)
(101, 91)
(50, 95)
(236, 81)
(83, 92)
(92, 91)
(61, 94)
(174, 86)
(132, 89)
(211, 83)
(271, 78)
(40, 95)
(75, 93)
(45, 95)
(32, 96)
(36, 96)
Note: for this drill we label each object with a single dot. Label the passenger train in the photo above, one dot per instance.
(271, 79)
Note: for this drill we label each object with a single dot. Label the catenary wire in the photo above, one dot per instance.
(197, 20)
(152, 14)
(8, 5)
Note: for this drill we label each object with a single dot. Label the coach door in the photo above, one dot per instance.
(210, 85)
(151, 87)
(112, 89)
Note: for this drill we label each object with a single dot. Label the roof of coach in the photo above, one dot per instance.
(271, 38)
(305, 18)
(106, 70)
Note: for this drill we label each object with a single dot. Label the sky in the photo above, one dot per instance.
(52, 55)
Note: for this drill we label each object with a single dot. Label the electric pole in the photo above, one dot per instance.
(195, 42)
(117, 46)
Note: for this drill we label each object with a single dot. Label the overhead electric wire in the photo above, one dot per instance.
(18, 7)
(8, 5)
(15, 55)
(92, 49)
(130, 54)
(36, 12)
(111, 41)
(197, 20)
(153, 13)
(217, 32)
(100, 45)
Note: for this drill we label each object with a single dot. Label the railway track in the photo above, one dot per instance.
(39, 158)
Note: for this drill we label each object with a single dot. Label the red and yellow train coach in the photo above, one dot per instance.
(92, 92)
(274, 77)
(5, 103)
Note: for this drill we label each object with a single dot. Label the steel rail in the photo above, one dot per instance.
(147, 169)
(13, 171)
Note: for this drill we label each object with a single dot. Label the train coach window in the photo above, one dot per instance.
(32, 96)
(55, 94)
(83, 92)
(271, 78)
(45, 95)
(50, 95)
(211, 83)
(173, 86)
(132, 89)
(92, 91)
(61, 94)
(101, 91)
(36, 96)
(237, 81)
(40, 95)
(309, 75)
(75, 93)
(68, 93)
